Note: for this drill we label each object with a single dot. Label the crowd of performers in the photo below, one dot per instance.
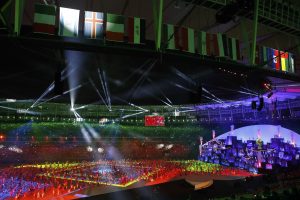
(252, 155)
(46, 180)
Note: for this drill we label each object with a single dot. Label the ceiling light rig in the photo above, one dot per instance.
(232, 72)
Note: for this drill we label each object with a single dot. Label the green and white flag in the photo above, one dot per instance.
(169, 36)
(44, 19)
(68, 22)
(202, 43)
(114, 27)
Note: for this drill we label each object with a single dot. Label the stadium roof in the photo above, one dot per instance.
(136, 75)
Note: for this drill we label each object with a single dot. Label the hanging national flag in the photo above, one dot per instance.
(188, 39)
(114, 27)
(291, 63)
(238, 50)
(284, 60)
(270, 58)
(136, 30)
(210, 44)
(172, 36)
(202, 43)
(68, 22)
(277, 59)
(232, 48)
(215, 48)
(263, 55)
(225, 44)
(44, 19)
(169, 36)
(257, 55)
(177, 36)
(220, 49)
(93, 25)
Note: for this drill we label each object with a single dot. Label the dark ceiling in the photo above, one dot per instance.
(27, 71)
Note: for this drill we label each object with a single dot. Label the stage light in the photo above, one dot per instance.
(72, 109)
(100, 150)
(15, 149)
(89, 149)
(11, 100)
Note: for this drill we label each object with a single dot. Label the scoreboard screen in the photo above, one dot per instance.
(154, 121)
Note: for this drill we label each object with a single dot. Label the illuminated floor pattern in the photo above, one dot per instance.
(42, 181)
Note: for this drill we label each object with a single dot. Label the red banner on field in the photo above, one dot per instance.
(154, 121)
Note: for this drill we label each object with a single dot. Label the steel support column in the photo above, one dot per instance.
(19, 5)
(255, 23)
(157, 17)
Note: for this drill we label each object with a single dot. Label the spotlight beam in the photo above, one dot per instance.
(85, 106)
(184, 88)
(205, 90)
(93, 132)
(137, 70)
(102, 84)
(19, 110)
(129, 110)
(211, 99)
(107, 90)
(239, 91)
(251, 91)
(143, 109)
(14, 101)
(66, 92)
(183, 76)
(97, 91)
(50, 87)
(166, 103)
(141, 79)
(159, 90)
(184, 111)
(85, 134)
(131, 104)
(126, 116)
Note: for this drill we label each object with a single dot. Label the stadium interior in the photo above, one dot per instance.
(156, 100)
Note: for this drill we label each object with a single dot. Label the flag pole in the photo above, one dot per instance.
(157, 17)
(18, 16)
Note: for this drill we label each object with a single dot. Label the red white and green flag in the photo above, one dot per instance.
(202, 50)
(136, 30)
(114, 27)
(277, 60)
(188, 39)
(44, 19)
(234, 50)
(210, 44)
